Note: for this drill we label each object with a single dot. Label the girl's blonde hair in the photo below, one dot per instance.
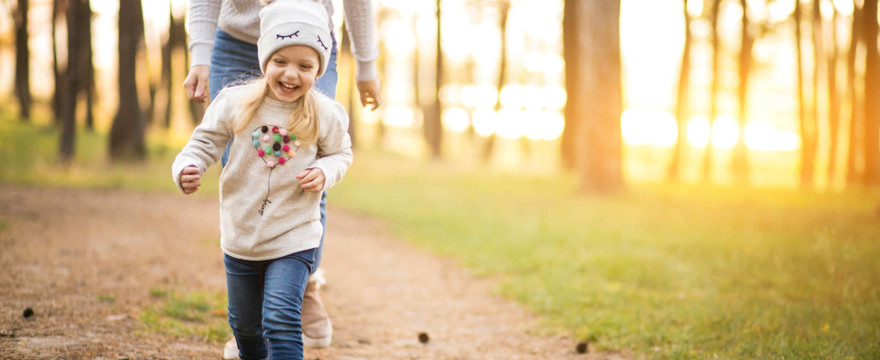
(302, 122)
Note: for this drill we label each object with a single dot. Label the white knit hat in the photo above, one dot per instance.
(294, 22)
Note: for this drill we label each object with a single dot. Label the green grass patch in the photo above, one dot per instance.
(672, 272)
(107, 298)
(196, 313)
(30, 157)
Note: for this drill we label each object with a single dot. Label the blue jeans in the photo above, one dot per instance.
(234, 61)
(265, 304)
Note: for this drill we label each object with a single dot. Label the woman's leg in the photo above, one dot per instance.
(244, 286)
(282, 305)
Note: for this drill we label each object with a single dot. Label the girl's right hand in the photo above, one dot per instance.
(189, 179)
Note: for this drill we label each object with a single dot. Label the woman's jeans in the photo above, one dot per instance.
(235, 61)
(265, 304)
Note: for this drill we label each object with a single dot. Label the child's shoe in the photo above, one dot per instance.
(230, 350)
(316, 326)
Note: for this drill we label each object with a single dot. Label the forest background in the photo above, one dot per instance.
(681, 178)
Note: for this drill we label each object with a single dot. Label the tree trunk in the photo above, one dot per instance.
(872, 95)
(807, 131)
(22, 61)
(87, 66)
(66, 148)
(818, 59)
(417, 94)
(713, 91)
(127, 131)
(682, 99)
(504, 10)
(592, 53)
(740, 163)
(574, 110)
(60, 75)
(165, 80)
(834, 101)
(433, 123)
(853, 176)
(348, 87)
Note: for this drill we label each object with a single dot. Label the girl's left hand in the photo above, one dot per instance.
(311, 180)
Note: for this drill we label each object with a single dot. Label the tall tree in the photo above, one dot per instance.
(22, 61)
(713, 89)
(591, 43)
(433, 123)
(818, 60)
(176, 43)
(872, 94)
(853, 176)
(740, 163)
(59, 7)
(807, 125)
(682, 98)
(834, 98)
(504, 11)
(347, 84)
(74, 81)
(87, 65)
(165, 75)
(127, 131)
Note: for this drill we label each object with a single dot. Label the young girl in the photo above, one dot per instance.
(289, 144)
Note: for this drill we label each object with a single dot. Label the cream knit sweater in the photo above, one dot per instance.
(240, 18)
(264, 213)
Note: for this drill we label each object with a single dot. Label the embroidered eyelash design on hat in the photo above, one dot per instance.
(294, 22)
(282, 37)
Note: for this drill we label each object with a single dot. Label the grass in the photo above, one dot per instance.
(29, 154)
(671, 272)
(197, 313)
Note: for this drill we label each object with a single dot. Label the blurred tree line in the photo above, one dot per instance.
(591, 142)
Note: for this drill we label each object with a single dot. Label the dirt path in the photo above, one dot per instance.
(85, 260)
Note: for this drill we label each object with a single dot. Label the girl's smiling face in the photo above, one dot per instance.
(291, 72)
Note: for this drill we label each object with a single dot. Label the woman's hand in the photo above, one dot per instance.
(189, 179)
(196, 83)
(311, 180)
(371, 93)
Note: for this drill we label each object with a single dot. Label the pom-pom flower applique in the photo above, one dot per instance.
(275, 146)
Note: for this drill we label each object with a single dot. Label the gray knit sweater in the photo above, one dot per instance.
(264, 213)
(240, 18)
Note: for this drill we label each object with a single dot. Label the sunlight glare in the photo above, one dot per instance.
(485, 121)
(552, 97)
(401, 35)
(398, 116)
(511, 123)
(725, 132)
(513, 95)
(780, 10)
(761, 136)
(845, 7)
(546, 125)
(698, 132)
(648, 127)
(474, 96)
(549, 64)
(695, 8)
(449, 94)
(455, 119)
